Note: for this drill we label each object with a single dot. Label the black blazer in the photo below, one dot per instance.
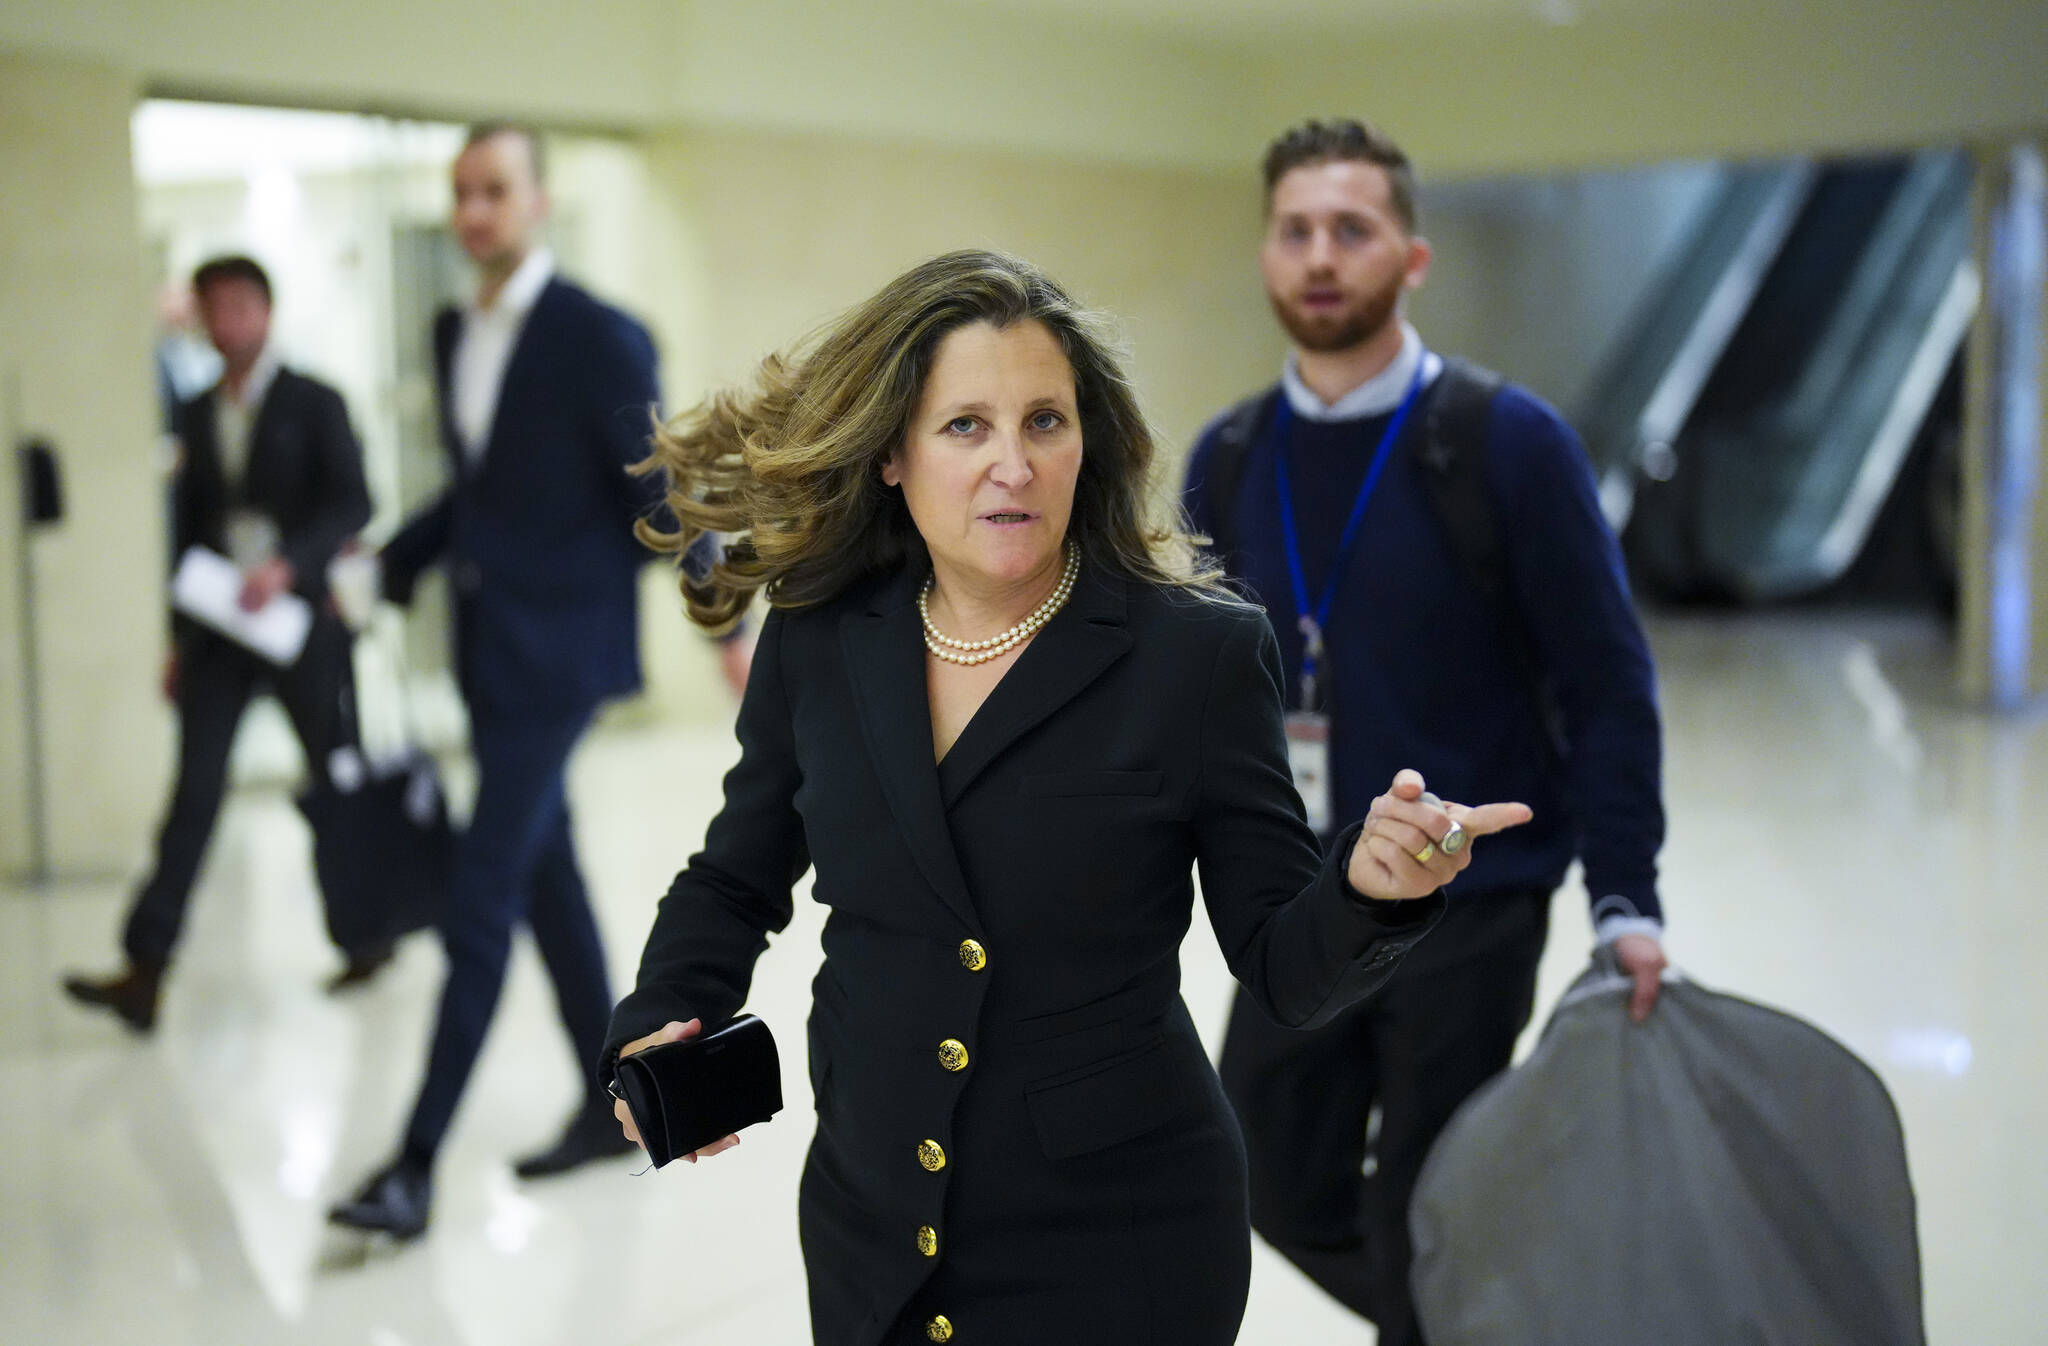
(537, 534)
(1024, 901)
(305, 471)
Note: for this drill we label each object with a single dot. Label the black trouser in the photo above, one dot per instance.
(1444, 1025)
(515, 863)
(216, 679)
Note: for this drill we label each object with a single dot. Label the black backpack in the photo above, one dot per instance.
(1456, 412)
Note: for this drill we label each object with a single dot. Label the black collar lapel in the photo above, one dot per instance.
(205, 474)
(884, 648)
(1072, 651)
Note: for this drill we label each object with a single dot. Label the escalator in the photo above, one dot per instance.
(1647, 387)
(1755, 458)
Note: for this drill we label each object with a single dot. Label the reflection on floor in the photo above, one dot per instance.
(1846, 843)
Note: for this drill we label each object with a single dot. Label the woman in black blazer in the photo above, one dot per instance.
(1004, 722)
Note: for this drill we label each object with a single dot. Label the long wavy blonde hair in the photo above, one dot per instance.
(791, 470)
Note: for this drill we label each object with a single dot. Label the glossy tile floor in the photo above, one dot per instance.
(1847, 843)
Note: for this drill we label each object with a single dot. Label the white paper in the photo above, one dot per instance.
(208, 589)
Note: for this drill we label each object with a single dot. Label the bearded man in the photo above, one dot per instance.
(1428, 541)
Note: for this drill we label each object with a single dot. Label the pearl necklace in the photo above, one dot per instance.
(996, 646)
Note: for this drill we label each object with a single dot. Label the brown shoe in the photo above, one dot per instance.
(133, 995)
(363, 964)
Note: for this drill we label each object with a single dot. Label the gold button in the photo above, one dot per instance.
(932, 1155)
(938, 1329)
(928, 1240)
(972, 956)
(953, 1054)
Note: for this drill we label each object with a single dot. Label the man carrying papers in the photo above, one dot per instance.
(270, 478)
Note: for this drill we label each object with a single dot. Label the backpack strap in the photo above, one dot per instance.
(1451, 451)
(1452, 454)
(1237, 432)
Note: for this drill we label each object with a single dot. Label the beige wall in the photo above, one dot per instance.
(1480, 86)
(74, 342)
(592, 63)
(904, 69)
(996, 75)
(1640, 83)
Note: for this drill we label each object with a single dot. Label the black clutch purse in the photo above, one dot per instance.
(685, 1095)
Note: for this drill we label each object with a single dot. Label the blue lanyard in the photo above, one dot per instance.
(1314, 621)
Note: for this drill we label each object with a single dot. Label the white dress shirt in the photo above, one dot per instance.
(1376, 396)
(234, 417)
(484, 348)
(251, 534)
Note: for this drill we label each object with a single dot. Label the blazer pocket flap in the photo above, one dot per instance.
(1124, 1099)
(1095, 783)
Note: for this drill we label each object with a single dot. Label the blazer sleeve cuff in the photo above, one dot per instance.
(1408, 919)
(645, 1011)
(1370, 935)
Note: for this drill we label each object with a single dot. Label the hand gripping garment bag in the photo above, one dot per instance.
(1722, 1175)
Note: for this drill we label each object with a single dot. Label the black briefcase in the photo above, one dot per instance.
(383, 852)
(686, 1095)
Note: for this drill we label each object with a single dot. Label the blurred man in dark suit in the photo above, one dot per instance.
(545, 395)
(271, 476)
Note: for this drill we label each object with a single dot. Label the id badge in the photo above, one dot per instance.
(1308, 757)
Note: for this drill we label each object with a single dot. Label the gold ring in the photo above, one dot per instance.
(1423, 856)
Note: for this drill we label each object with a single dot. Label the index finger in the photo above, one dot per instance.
(1487, 819)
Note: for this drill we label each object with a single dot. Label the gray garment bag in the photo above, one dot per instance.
(1722, 1175)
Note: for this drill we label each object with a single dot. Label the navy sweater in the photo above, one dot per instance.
(1423, 674)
